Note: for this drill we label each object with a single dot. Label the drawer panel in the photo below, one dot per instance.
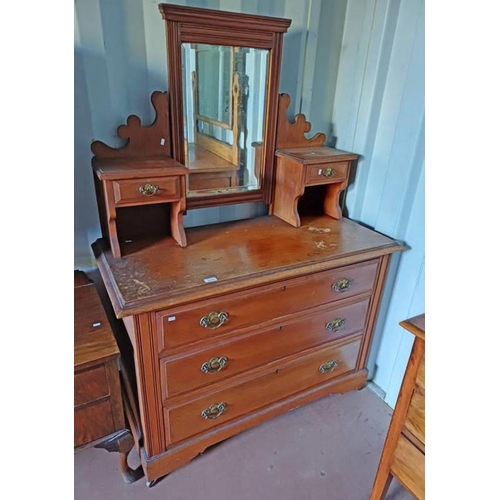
(324, 325)
(93, 422)
(90, 385)
(156, 190)
(230, 312)
(415, 418)
(187, 420)
(408, 465)
(326, 172)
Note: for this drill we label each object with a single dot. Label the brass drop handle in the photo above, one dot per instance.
(214, 365)
(328, 366)
(214, 320)
(336, 324)
(148, 189)
(342, 285)
(328, 172)
(214, 411)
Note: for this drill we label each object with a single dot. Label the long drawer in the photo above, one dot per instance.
(216, 317)
(323, 324)
(223, 406)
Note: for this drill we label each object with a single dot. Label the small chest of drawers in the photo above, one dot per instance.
(252, 319)
(299, 169)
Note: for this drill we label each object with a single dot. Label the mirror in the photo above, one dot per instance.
(224, 100)
(223, 80)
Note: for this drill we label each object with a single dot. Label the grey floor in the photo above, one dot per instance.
(328, 449)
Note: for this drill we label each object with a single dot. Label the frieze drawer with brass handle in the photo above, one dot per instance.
(214, 319)
(214, 365)
(182, 419)
(214, 411)
(181, 325)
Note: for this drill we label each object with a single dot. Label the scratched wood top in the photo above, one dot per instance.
(243, 254)
(94, 340)
(317, 154)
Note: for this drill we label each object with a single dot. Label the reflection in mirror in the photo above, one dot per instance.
(224, 98)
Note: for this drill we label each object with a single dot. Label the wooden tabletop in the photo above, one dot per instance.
(94, 339)
(223, 258)
(318, 154)
(415, 325)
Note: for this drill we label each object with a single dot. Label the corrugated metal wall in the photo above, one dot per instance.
(355, 68)
(379, 114)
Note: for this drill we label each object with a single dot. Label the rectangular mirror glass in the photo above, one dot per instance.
(224, 101)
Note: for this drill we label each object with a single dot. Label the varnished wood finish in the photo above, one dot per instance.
(185, 420)
(291, 135)
(98, 411)
(403, 455)
(277, 285)
(121, 173)
(299, 168)
(241, 255)
(188, 24)
(182, 373)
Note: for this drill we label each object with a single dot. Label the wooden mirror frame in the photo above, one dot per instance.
(195, 25)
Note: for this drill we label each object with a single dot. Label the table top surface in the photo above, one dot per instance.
(94, 340)
(227, 257)
(415, 325)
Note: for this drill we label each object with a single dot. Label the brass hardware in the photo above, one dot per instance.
(214, 365)
(336, 325)
(214, 411)
(214, 319)
(328, 366)
(328, 172)
(149, 189)
(342, 285)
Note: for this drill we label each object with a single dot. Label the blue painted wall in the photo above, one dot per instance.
(355, 68)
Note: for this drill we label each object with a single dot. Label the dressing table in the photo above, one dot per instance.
(252, 318)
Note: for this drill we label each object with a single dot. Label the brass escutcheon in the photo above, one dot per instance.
(336, 324)
(148, 189)
(328, 366)
(328, 172)
(214, 365)
(214, 320)
(342, 285)
(214, 411)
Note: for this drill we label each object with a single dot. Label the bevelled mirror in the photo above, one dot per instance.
(223, 70)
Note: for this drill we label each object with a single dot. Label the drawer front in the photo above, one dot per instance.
(222, 406)
(408, 465)
(90, 385)
(271, 302)
(223, 361)
(326, 172)
(415, 418)
(146, 191)
(93, 422)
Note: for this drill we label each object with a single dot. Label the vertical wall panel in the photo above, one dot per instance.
(379, 114)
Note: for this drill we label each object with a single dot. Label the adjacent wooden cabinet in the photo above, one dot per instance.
(403, 455)
(99, 416)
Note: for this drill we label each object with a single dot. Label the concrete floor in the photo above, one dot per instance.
(327, 449)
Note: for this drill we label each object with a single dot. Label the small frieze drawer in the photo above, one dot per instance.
(219, 407)
(326, 172)
(322, 325)
(146, 191)
(212, 318)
